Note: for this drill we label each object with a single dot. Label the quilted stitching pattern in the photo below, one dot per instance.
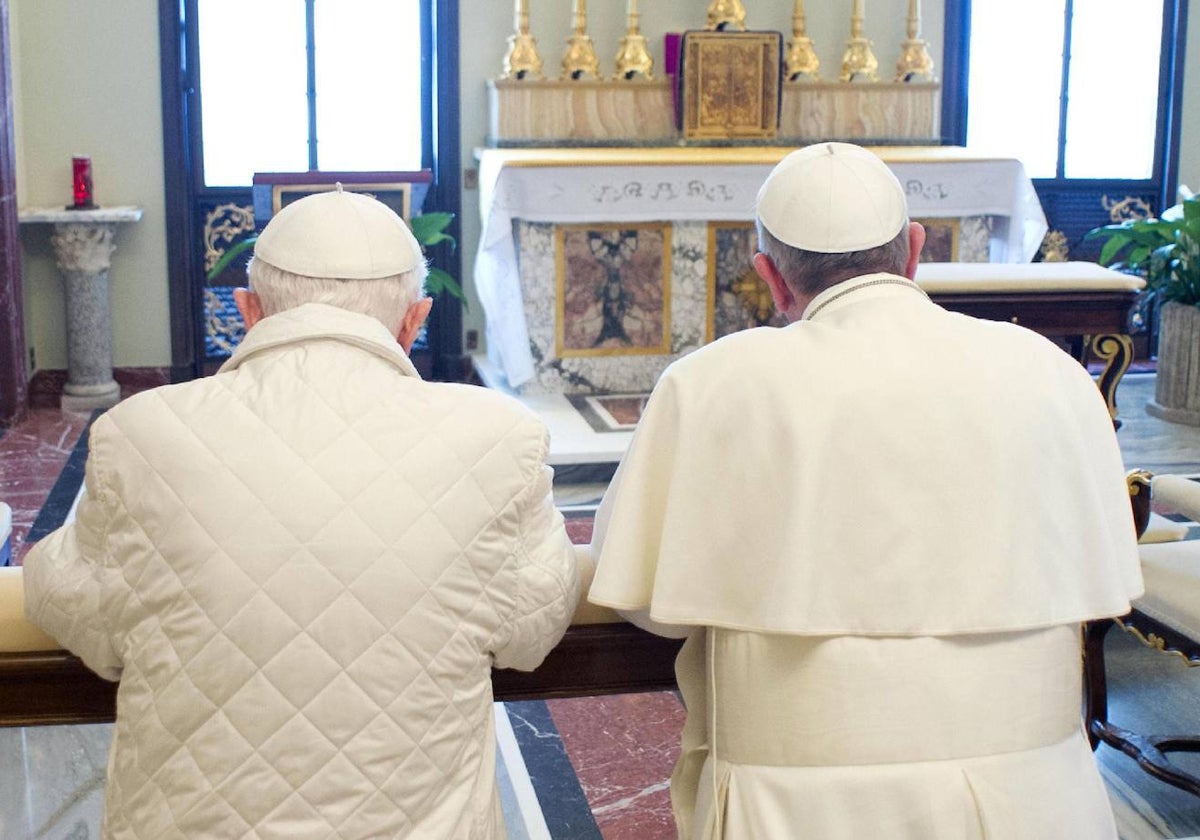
(314, 562)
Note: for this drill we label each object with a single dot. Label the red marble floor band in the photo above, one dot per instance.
(32, 455)
(623, 748)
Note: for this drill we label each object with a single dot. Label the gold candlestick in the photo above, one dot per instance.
(633, 56)
(580, 61)
(858, 62)
(726, 15)
(915, 61)
(522, 61)
(801, 60)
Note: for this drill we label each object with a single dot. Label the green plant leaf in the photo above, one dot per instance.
(438, 281)
(1112, 247)
(1137, 255)
(229, 256)
(1165, 251)
(429, 228)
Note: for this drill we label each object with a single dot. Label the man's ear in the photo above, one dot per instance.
(781, 293)
(249, 304)
(916, 241)
(411, 323)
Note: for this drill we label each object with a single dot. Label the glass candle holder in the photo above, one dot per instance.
(81, 182)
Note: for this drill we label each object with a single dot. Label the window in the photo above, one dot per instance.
(295, 85)
(1069, 86)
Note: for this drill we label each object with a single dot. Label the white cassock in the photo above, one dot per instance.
(891, 520)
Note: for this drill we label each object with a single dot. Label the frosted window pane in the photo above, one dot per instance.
(253, 75)
(368, 55)
(1016, 81)
(1113, 106)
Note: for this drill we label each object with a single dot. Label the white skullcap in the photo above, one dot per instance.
(338, 234)
(832, 198)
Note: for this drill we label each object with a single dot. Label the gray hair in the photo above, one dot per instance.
(810, 272)
(386, 298)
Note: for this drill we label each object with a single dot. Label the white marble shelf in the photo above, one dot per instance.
(98, 216)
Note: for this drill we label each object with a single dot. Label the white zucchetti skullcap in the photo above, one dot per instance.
(832, 198)
(338, 234)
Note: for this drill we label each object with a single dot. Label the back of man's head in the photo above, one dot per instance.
(339, 248)
(829, 212)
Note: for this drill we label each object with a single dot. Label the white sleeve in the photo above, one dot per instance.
(547, 580)
(69, 576)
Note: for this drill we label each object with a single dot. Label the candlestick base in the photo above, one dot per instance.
(88, 206)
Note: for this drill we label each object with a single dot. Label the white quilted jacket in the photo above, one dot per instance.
(302, 571)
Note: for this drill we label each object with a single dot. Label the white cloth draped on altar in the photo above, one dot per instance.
(703, 184)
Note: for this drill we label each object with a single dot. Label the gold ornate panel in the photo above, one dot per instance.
(224, 224)
(613, 289)
(738, 299)
(731, 84)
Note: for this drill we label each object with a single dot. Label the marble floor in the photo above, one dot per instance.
(571, 768)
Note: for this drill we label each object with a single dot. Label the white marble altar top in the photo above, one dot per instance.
(61, 215)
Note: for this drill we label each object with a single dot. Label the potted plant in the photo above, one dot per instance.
(428, 229)
(1166, 251)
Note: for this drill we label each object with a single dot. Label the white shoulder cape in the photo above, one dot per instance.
(886, 468)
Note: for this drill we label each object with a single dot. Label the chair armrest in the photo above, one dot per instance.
(1177, 493)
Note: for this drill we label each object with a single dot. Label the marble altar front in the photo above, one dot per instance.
(543, 209)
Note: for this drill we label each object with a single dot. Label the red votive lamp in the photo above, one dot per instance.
(81, 182)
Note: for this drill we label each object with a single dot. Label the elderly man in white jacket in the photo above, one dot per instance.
(879, 527)
(303, 569)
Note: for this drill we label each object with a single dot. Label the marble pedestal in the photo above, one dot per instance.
(83, 247)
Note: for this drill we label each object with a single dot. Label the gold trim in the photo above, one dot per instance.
(560, 265)
(1138, 480)
(1054, 247)
(223, 224)
(633, 55)
(915, 61)
(726, 15)
(858, 61)
(580, 60)
(801, 60)
(1129, 207)
(943, 223)
(710, 302)
(522, 60)
(278, 191)
(1153, 640)
(1117, 353)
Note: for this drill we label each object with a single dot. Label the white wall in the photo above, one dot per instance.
(86, 82)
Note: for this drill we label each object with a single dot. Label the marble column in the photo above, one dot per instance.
(83, 248)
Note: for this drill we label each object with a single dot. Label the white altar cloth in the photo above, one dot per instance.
(702, 184)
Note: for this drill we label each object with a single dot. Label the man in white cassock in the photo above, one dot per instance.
(879, 529)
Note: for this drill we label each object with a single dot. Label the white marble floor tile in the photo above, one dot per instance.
(52, 782)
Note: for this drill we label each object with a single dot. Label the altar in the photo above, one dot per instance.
(679, 220)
